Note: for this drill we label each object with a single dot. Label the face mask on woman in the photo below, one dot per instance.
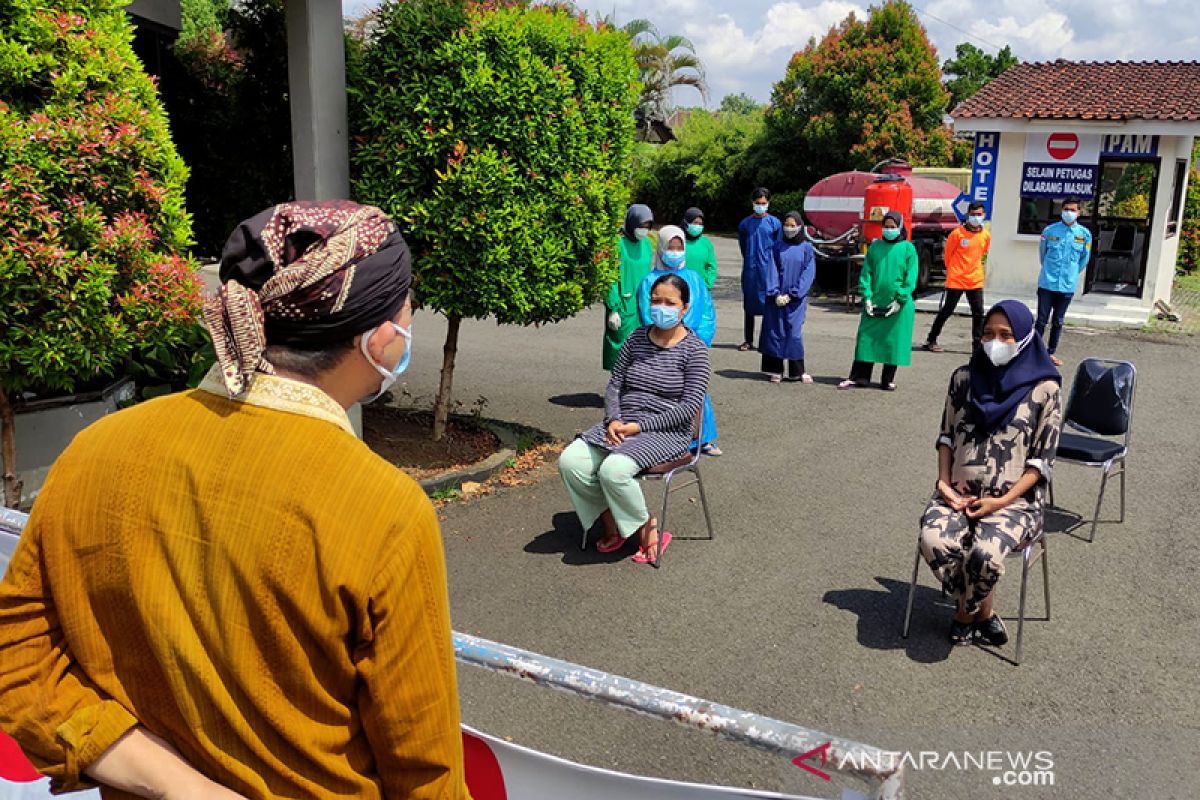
(641, 233)
(664, 317)
(791, 231)
(891, 234)
(695, 229)
(1000, 353)
(673, 259)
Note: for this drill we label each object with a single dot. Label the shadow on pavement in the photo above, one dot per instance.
(1060, 520)
(742, 375)
(564, 539)
(881, 618)
(578, 400)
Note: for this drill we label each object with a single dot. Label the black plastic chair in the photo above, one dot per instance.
(1098, 423)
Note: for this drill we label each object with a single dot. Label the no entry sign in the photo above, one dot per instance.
(1061, 146)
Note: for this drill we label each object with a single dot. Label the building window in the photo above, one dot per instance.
(1176, 197)
(1038, 212)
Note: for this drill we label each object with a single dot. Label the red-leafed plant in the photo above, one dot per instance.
(92, 225)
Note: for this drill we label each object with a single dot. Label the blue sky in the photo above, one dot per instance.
(745, 45)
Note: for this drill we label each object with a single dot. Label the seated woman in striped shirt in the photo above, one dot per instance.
(656, 391)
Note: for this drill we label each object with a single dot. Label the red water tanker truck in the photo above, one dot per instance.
(844, 213)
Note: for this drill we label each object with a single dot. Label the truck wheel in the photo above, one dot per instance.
(924, 267)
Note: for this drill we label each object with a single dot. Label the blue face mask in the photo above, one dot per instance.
(695, 230)
(664, 317)
(975, 220)
(389, 375)
(891, 234)
(673, 259)
(761, 208)
(1069, 217)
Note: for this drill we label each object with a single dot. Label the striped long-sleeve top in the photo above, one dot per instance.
(661, 389)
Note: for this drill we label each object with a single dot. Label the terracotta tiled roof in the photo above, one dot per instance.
(1107, 90)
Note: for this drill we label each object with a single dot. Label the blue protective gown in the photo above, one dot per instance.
(701, 319)
(756, 238)
(792, 274)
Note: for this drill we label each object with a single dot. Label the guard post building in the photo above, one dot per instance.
(1118, 137)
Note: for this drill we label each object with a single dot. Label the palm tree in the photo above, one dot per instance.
(664, 62)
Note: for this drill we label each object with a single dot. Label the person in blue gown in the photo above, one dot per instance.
(701, 316)
(787, 287)
(757, 235)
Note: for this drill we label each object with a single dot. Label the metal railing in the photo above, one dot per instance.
(884, 775)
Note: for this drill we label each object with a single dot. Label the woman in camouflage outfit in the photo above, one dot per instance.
(997, 442)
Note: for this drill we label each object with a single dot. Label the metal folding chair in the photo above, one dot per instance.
(1098, 423)
(688, 462)
(1028, 559)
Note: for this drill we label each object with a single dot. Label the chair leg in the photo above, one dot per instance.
(1099, 500)
(1122, 518)
(912, 591)
(662, 520)
(1021, 607)
(1046, 575)
(1050, 490)
(704, 504)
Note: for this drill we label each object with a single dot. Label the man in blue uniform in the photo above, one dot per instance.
(1064, 252)
(757, 236)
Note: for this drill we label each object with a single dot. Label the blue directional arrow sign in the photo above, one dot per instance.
(960, 205)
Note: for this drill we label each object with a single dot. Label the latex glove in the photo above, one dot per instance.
(782, 300)
(868, 306)
(892, 308)
(614, 321)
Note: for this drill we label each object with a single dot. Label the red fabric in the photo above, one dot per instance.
(484, 778)
(14, 766)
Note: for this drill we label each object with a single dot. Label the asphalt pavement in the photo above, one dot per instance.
(795, 609)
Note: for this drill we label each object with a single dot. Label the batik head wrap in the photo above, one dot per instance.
(307, 275)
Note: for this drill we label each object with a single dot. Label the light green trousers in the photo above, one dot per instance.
(597, 480)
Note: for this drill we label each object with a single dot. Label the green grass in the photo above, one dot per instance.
(1188, 283)
(448, 493)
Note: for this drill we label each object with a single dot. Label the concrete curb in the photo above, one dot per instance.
(506, 432)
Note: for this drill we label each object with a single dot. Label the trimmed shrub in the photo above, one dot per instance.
(499, 136)
(92, 264)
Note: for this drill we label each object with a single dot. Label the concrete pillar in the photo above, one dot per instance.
(317, 88)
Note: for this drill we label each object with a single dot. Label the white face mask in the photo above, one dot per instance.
(641, 233)
(1000, 352)
(790, 231)
(389, 375)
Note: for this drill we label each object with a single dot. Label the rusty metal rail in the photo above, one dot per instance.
(884, 782)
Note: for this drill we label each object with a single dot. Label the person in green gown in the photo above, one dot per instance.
(885, 329)
(701, 257)
(637, 259)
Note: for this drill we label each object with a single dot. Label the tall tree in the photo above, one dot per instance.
(663, 62)
(740, 103)
(499, 136)
(971, 68)
(867, 91)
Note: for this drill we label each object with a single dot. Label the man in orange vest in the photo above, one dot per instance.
(966, 249)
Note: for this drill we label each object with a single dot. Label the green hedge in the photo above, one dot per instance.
(92, 264)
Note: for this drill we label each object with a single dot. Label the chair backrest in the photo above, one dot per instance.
(1101, 400)
(1123, 238)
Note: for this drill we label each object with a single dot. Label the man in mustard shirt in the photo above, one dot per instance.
(966, 248)
(225, 591)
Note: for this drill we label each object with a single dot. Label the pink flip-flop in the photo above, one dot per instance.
(643, 557)
(612, 548)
